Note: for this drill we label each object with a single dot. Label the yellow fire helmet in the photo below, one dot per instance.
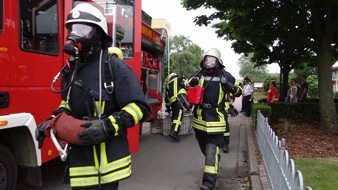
(117, 51)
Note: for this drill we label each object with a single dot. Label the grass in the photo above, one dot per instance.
(319, 173)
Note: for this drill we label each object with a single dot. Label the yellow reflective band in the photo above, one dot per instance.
(172, 99)
(83, 170)
(182, 91)
(134, 111)
(96, 160)
(209, 129)
(213, 169)
(210, 170)
(116, 176)
(220, 115)
(121, 163)
(220, 94)
(227, 134)
(121, 169)
(84, 181)
(115, 125)
(64, 104)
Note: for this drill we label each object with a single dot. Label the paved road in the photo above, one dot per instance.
(162, 164)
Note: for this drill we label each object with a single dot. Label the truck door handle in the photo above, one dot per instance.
(4, 99)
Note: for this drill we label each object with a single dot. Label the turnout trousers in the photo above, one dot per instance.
(176, 117)
(209, 145)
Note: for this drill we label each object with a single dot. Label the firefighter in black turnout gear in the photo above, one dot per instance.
(210, 116)
(105, 108)
(175, 93)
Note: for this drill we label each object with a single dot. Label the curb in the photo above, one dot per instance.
(254, 175)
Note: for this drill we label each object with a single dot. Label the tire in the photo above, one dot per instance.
(8, 169)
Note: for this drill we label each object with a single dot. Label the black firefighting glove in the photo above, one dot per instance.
(104, 129)
(40, 132)
(97, 131)
(230, 87)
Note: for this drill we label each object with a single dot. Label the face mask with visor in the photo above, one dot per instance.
(210, 62)
(79, 36)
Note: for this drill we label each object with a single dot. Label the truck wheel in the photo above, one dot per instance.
(8, 169)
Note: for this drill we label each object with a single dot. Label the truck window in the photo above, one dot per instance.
(39, 26)
(1, 16)
(120, 17)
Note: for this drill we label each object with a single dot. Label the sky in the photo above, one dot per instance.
(181, 22)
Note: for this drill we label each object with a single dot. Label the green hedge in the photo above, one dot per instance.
(307, 112)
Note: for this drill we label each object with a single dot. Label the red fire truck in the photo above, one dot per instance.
(32, 34)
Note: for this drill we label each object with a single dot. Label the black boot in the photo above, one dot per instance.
(225, 148)
(204, 187)
(174, 135)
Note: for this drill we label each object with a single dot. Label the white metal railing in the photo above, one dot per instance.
(280, 168)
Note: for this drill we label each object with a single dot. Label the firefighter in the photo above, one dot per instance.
(103, 110)
(210, 116)
(174, 90)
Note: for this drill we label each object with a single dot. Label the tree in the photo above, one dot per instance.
(249, 68)
(185, 57)
(281, 25)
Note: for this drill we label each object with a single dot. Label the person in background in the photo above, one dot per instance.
(305, 88)
(247, 97)
(292, 92)
(210, 116)
(94, 115)
(174, 89)
(272, 94)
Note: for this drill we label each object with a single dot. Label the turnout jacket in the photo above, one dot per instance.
(210, 117)
(109, 161)
(173, 88)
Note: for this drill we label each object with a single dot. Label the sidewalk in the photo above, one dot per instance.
(162, 164)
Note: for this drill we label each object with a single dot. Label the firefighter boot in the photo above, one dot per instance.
(174, 135)
(204, 187)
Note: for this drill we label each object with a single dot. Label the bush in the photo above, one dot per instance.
(296, 113)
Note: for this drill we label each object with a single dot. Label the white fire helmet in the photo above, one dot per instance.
(171, 76)
(215, 53)
(87, 13)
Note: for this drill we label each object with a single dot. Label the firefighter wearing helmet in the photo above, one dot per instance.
(175, 97)
(210, 116)
(95, 113)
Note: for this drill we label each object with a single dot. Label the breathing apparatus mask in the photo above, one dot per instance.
(210, 63)
(84, 38)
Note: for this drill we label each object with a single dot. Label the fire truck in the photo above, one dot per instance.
(32, 35)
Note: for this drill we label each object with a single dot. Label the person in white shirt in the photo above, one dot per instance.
(292, 93)
(247, 97)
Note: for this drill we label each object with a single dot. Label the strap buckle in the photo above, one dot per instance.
(206, 105)
(109, 86)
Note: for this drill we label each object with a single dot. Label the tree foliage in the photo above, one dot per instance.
(185, 56)
(290, 33)
(249, 68)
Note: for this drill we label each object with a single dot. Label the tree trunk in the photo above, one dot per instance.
(285, 82)
(326, 102)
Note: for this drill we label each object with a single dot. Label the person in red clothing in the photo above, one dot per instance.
(272, 94)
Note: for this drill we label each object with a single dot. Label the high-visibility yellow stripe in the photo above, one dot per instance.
(104, 160)
(123, 162)
(134, 111)
(213, 169)
(84, 181)
(88, 175)
(121, 174)
(115, 125)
